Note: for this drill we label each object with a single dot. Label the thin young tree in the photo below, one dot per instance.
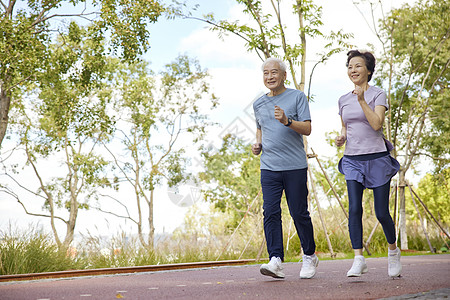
(62, 122)
(158, 116)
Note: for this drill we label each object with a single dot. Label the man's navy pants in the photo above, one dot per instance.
(294, 184)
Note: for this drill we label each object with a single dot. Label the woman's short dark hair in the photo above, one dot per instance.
(368, 58)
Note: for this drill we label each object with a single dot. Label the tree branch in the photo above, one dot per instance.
(23, 187)
(3, 4)
(7, 191)
(421, 119)
(10, 8)
(128, 216)
(432, 157)
(257, 18)
(46, 192)
(412, 71)
(82, 15)
(283, 42)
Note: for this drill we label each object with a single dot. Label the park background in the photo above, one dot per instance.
(236, 80)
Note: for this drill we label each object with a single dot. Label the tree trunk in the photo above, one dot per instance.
(70, 228)
(52, 219)
(301, 86)
(151, 226)
(138, 197)
(5, 100)
(319, 210)
(423, 222)
(402, 210)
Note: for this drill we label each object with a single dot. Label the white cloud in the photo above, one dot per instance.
(212, 51)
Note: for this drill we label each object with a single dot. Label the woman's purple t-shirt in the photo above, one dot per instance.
(361, 138)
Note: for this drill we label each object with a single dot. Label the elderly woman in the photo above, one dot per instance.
(366, 162)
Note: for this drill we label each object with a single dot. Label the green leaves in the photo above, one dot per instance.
(22, 50)
(28, 35)
(434, 191)
(67, 89)
(418, 41)
(232, 175)
(127, 20)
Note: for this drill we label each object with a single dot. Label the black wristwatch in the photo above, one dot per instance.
(288, 123)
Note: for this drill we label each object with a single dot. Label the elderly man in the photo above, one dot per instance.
(282, 118)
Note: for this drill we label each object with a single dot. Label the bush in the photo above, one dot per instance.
(31, 251)
(417, 240)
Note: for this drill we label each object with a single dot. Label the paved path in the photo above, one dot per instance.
(420, 274)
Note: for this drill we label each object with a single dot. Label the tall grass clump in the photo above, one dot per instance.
(121, 250)
(418, 241)
(31, 251)
(188, 248)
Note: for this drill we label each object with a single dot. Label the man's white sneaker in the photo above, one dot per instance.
(394, 264)
(273, 268)
(310, 262)
(359, 267)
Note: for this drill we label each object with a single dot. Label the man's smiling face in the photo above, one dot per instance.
(274, 77)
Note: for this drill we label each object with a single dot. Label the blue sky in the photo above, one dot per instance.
(166, 34)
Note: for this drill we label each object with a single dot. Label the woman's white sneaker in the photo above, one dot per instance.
(359, 267)
(273, 268)
(394, 264)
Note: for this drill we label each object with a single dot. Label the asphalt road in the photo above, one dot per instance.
(421, 274)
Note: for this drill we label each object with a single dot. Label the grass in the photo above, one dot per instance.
(33, 250)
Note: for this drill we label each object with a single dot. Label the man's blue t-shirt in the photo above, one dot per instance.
(282, 147)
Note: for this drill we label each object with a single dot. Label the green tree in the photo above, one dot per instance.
(157, 117)
(434, 190)
(27, 29)
(230, 182)
(415, 66)
(64, 118)
(232, 176)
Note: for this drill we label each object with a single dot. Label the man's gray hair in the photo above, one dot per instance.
(281, 63)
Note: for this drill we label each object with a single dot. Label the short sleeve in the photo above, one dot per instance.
(340, 106)
(380, 99)
(303, 108)
(258, 126)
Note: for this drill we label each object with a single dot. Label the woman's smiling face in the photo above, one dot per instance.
(357, 70)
